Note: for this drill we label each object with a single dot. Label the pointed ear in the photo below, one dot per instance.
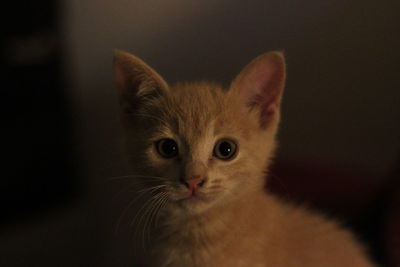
(135, 80)
(260, 85)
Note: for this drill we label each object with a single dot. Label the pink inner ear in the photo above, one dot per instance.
(262, 88)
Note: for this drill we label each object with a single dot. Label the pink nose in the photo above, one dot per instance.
(194, 183)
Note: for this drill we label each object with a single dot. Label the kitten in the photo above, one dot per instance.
(200, 153)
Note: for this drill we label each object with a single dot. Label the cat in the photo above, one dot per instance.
(200, 154)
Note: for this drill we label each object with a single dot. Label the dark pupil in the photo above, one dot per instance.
(225, 149)
(169, 147)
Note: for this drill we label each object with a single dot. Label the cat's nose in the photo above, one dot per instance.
(194, 182)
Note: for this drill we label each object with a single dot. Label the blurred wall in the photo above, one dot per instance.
(342, 99)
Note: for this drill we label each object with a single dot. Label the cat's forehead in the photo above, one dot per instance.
(194, 107)
(199, 111)
(191, 109)
(201, 99)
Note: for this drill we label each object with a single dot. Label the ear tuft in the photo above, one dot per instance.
(260, 85)
(135, 79)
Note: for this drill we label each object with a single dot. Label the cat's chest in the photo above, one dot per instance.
(221, 251)
(194, 258)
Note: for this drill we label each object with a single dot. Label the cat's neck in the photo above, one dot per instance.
(224, 220)
(196, 240)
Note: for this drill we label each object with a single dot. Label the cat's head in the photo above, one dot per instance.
(198, 143)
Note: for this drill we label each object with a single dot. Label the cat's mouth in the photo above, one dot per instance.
(196, 198)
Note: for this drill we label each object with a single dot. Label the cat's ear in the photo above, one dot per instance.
(135, 80)
(260, 86)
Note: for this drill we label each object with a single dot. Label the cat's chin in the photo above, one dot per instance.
(195, 203)
(196, 199)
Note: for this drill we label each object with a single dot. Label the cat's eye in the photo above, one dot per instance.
(167, 148)
(225, 149)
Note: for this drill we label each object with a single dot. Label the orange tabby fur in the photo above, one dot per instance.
(239, 224)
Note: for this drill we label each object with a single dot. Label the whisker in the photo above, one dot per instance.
(133, 184)
(152, 188)
(140, 194)
(135, 176)
(119, 221)
(145, 218)
(153, 212)
(162, 205)
(142, 213)
(140, 210)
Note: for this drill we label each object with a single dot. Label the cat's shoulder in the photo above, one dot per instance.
(314, 234)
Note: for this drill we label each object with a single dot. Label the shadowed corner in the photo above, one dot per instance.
(40, 167)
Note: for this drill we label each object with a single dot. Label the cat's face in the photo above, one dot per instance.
(199, 144)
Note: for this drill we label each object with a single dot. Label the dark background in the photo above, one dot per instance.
(339, 139)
